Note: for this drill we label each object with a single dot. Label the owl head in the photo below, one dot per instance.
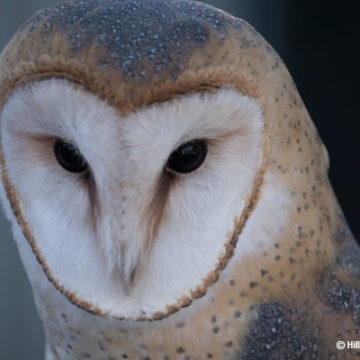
(136, 142)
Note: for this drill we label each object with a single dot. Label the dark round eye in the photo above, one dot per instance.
(69, 157)
(188, 157)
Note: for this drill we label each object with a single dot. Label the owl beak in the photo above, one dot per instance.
(128, 280)
(127, 269)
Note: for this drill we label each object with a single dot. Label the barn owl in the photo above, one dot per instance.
(168, 191)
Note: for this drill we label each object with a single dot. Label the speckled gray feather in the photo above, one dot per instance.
(163, 33)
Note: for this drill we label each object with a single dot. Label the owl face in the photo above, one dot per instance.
(131, 214)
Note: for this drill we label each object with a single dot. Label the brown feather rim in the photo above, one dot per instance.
(206, 79)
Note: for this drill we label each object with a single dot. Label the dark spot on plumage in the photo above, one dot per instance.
(341, 296)
(277, 332)
(180, 350)
(215, 329)
(301, 233)
(108, 339)
(124, 356)
(263, 272)
(253, 284)
(340, 235)
(180, 324)
(101, 346)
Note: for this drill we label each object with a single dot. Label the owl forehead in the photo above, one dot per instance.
(135, 52)
(140, 39)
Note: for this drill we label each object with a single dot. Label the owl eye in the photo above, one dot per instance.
(69, 157)
(188, 157)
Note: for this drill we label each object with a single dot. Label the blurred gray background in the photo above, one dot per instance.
(320, 47)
